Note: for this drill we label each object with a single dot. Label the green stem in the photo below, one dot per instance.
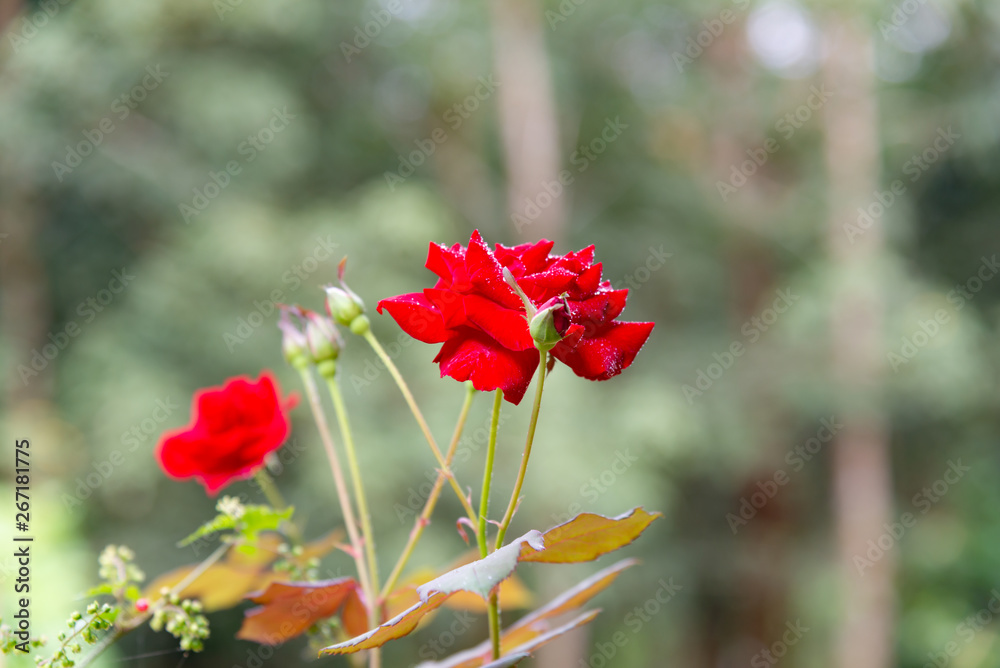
(404, 388)
(345, 502)
(425, 516)
(359, 489)
(277, 501)
(200, 570)
(493, 609)
(512, 506)
(484, 498)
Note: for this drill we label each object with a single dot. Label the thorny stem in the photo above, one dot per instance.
(424, 519)
(445, 468)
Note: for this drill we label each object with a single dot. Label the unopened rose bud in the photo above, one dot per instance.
(343, 305)
(548, 325)
(322, 336)
(294, 344)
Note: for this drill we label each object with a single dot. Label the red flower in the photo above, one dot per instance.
(234, 428)
(481, 320)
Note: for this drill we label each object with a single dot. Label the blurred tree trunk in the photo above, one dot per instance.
(861, 458)
(528, 125)
(529, 131)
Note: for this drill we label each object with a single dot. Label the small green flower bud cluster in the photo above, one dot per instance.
(117, 567)
(84, 631)
(290, 563)
(184, 621)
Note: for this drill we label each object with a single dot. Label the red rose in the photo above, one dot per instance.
(234, 428)
(481, 320)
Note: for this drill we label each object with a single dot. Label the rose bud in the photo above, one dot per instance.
(322, 336)
(549, 324)
(294, 344)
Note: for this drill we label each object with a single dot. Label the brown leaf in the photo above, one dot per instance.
(397, 627)
(227, 583)
(537, 624)
(289, 608)
(588, 536)
(221, 586)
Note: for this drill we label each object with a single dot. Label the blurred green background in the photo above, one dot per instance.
(816, 373)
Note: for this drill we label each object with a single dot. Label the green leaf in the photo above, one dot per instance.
(100, 590)
(262, 518)
(253, 520)
(219, 523)
(587, 537)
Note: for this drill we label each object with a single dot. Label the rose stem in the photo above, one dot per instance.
(121, 631)
(380, 351)
(425, 516)
(509, 515)
(345, 501)
(484, 509)
(355, 470)
(273, 495)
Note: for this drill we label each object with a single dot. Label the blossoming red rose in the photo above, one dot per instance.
(233, 429)
(481, 321)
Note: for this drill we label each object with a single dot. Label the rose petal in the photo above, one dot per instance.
(507, 326)
(605, 354)
(472, 355)
(417, 316)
